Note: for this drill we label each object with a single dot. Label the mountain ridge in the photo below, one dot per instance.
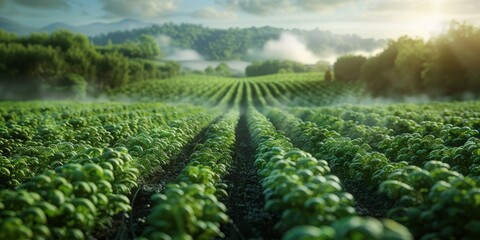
(90, 29)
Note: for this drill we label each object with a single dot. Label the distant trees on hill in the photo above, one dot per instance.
(446, 65)
(234, 43)
(42, 61)
(221, 69)
(144, 47)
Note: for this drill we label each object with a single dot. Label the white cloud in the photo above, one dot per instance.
(163, 41)
(185, 55)
(321, 5)
(397, 5)
(443, 7)
(212, 13)
(257, 7)
(287, 47)
(271, 7)
(140, 8)
(238, 66)
(331, 55)
(459, 7)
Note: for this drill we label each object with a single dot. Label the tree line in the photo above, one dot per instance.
(446, 65)
(234, 43)
(275, 66)
(68, 63)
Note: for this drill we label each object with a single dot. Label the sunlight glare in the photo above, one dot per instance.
(432, 21)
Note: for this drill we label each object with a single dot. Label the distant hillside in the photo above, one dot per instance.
(91, 29)
(219, 44)
(97, 28)
(14, 27)
(235, 43)
(56, 26)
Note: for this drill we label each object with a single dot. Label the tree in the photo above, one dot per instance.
(408, 66)
(6, 37)
(209, 70)
(328, 75)
(223, 70)
(113, 71)
(82, 62)
(321, 66)
(452, 66)
(378, 72)
(148, 46)
(235, 43)
(274, 67)
(73, 85)
(39, 61)
(347, 68)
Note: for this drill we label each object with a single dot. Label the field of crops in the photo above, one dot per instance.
(276, 157)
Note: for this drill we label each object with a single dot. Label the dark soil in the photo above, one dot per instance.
(245, 204)
(131, 227)
(369, 202)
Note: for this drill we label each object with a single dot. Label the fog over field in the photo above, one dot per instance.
(287, 46)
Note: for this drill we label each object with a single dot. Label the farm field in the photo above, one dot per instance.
(284, 156)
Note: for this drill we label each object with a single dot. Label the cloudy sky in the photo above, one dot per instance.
(367, 18)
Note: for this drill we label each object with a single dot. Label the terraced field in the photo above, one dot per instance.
(277, 157)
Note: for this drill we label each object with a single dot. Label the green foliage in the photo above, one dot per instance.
(234, 43)
(399, 158)
(321, 66)
(347, 68)
(75, 86)
(7, 37)
(65, 182)
(144, 47)
(149, 46)
(30, 66)
(113, 69)
(328, 75)
(295, 183)
(444, 66)
(209, 71)
(275, 66)
(452, 64)
(190, 209)
(221, 69)
(352, 228)
(68, 168)
(71, 199)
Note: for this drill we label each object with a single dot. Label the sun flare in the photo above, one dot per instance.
(431, 21)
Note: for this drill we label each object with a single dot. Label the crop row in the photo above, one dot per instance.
(72, 199)
(89, 187)
(198, 90)
(306, 193)
(50, 141)
(453, 145)
(307, 89)
(421, 194)
(190, 209)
